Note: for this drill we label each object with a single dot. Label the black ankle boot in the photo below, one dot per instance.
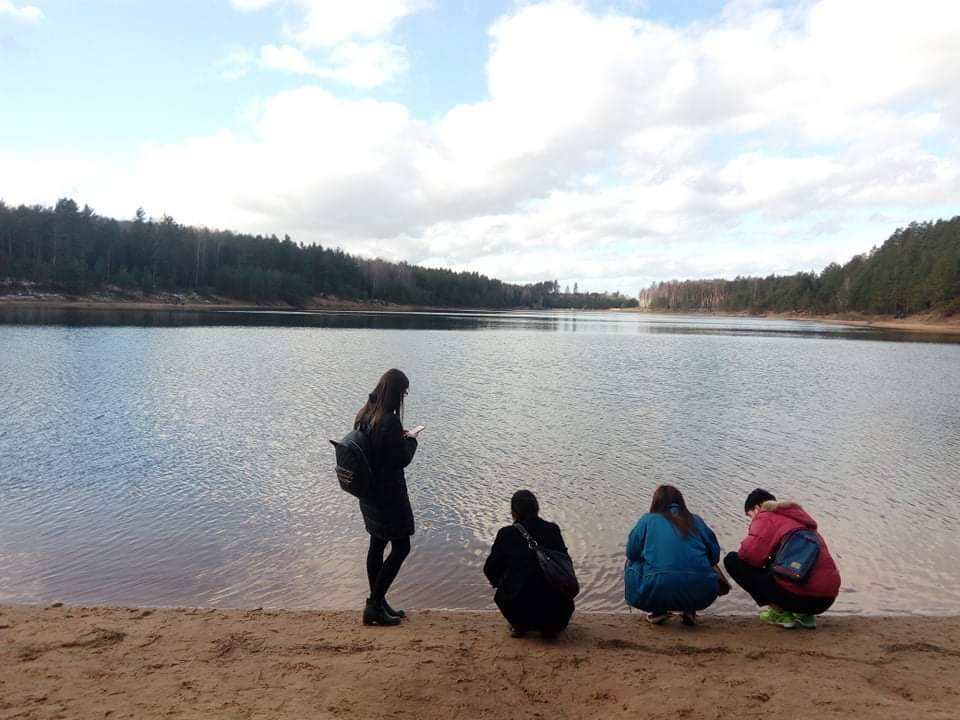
(391, 611)
(375, 614)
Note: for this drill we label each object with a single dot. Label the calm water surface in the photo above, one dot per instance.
(180, 458)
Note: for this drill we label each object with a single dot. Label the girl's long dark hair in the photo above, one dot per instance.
(667, 496)
(386, 399)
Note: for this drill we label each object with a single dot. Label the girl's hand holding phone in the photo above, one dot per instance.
(415, 431)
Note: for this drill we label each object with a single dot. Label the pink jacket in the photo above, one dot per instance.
(767, 529)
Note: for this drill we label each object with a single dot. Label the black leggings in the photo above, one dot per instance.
(381, 573)
(766, 591)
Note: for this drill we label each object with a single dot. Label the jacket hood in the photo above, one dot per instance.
(790, 509)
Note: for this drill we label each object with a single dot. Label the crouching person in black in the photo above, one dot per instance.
(523, 596)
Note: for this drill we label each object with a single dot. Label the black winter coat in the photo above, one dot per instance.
(387, 512)
(522, 592)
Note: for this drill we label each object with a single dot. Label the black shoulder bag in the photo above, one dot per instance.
(557, 566)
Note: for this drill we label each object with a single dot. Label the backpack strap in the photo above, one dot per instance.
(531, 543)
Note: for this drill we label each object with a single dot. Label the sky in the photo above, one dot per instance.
(609, 143)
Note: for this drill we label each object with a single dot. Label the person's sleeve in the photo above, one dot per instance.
(399, 449)
(561, 545)
(710, 540)
(636, 540)
(496, 563)
(760, 542)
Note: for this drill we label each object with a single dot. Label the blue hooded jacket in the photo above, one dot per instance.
(666, 571)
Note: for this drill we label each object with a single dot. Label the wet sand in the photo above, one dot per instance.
(135, 663)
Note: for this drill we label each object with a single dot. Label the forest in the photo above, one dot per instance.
(917, 270)
(73, 250)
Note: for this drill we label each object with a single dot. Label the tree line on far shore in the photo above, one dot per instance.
(916, 270)
(77, 251)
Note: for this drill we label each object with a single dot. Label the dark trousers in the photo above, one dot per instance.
(547, 615)
(766, 591)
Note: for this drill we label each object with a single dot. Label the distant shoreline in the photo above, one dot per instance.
(939, 327)
(216, 303)
(156, 663)
(912, 324)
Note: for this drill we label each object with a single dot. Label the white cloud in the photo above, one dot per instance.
(288, 59)
(347, 42)
(24, 13)
(251, 5)
(608, 149)
(235, 64)
(361, 66)
(325, 24)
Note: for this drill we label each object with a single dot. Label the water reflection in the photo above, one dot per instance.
(163, 463)
(558, 321)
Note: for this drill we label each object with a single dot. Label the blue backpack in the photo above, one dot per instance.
(796, 556)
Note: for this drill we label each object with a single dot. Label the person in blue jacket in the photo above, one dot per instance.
(672, 558)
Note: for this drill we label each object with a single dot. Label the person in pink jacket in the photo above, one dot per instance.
(790, 603)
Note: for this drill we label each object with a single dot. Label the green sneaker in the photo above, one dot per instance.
(807, 621)
(779, 617)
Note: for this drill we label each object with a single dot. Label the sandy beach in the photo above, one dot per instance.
(922, 325)
(64, 662)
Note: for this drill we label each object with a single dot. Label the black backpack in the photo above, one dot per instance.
(354, 471)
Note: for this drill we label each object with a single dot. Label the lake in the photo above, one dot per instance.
(181, 458)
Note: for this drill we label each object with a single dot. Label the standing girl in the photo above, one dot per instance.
(387, 514)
